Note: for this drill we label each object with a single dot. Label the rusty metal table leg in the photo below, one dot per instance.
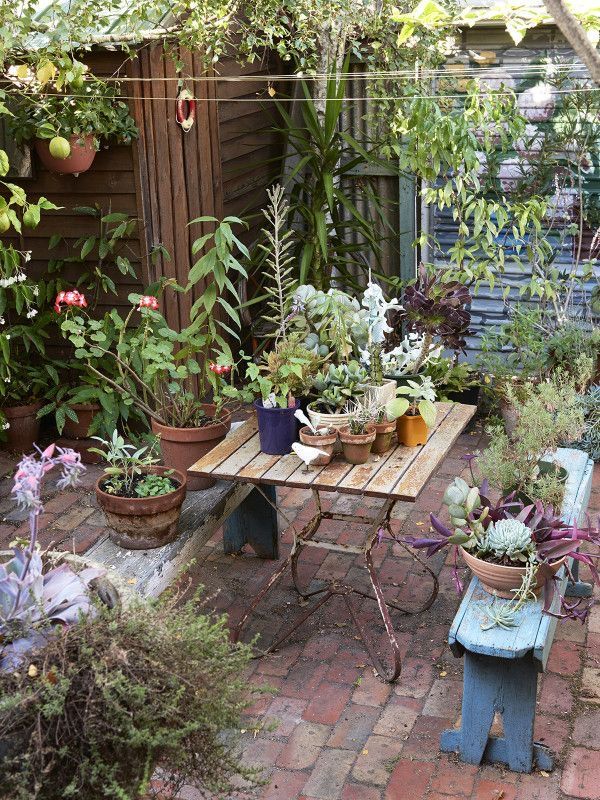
(305, 538)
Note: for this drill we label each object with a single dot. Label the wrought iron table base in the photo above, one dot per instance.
(305, 538)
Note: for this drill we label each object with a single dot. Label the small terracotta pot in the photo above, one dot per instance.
(500, 579)
(326, 442)
(24, 427)
(357, 447)
(85, 414)
(140, 523)
(182, 447)
(383, 436)
(412, 430)
(80, 160)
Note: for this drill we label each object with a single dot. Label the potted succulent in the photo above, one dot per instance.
(66, 111)
(358, 435)
(514, 549)
(322, 438)
(550, 414)
(414, 411)
(335, 387)
(156, 367)
(142, 502)
(379, 389)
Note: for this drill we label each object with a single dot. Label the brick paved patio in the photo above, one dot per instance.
(329, 729)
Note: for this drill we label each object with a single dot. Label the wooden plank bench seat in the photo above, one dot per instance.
(502, 666)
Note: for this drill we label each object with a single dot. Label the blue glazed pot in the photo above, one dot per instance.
(277, 428)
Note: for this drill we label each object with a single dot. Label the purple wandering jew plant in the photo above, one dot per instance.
(34, 601)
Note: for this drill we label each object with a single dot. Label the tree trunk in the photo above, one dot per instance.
(575, 34)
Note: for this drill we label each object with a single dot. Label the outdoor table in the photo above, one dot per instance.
(398, 475)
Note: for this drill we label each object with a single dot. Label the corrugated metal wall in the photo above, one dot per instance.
(488, 308)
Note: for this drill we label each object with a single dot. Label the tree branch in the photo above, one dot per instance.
(575, 34)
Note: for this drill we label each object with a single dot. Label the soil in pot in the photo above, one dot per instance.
(85, 414)
(277, 428)
(357, 447)
(500, 579)
(80, 160)
(384, 432)
(412, 430)
(140, 523)
(325, 442)
(24, 427)
(182, 447)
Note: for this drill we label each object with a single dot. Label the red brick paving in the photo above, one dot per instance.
(331, 730)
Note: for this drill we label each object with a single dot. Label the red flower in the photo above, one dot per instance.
(219, 369)
(147, 301)
(70, 298)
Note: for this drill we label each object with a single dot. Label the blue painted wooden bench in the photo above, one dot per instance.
(502, 666)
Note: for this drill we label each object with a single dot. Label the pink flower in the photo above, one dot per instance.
(219, 369)
(147, 301)
(70, 298)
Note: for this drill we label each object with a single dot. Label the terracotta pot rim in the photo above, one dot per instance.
(144, 506)
(74, 138)
(357, 438)
(326, 439)
(213, 429)
(25, 409)
(84, 406)
(559, 562)
(385, 427)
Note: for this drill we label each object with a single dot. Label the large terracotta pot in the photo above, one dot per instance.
(182, 447)
(383, 436)
(325, 442)
(80, 160)
(357, 446)
(140, 523)
(500, 579)
(24, 427)
(85, 414)
(412, 430)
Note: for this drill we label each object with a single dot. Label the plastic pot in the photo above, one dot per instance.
(500, 579)
(80, 160)
(412, 430)
(357, 446)
(384, 432)
(325, 442)
(24, 427)
(277, 428)
(141, 523)
(85, 414)
(182, 447)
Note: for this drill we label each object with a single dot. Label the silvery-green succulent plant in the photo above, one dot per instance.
(509, 538)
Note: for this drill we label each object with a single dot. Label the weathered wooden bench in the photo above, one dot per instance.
(502, 666)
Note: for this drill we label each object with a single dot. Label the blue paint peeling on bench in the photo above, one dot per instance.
(501, 666)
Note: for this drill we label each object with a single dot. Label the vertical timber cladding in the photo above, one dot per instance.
(488, 309)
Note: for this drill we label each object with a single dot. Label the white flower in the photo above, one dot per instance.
(32, 313)
(27, 256)
(35, 291)
(6, 425)
(21, 277)
(2, 321)
(412, 42)
(8, 336)
(537, 104)
(447, 46)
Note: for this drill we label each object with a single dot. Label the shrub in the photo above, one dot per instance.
(110, 698)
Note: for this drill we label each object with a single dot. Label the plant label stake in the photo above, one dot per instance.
(186, 110)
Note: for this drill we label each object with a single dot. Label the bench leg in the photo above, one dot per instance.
(254, 522)
(508, 687)
(577, 588)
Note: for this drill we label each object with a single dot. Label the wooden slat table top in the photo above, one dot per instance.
(399, 474)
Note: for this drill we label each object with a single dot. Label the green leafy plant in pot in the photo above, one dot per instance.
(358, 435)
(67, 112)
(414, 410)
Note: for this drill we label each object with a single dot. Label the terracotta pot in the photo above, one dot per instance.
(182, 447)
(412, 430)
(140, 523)
(82, 155)
(24, 427)
(85, 414)
(383, 436)
(357, 447)
(326, 442)
(499, 579)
